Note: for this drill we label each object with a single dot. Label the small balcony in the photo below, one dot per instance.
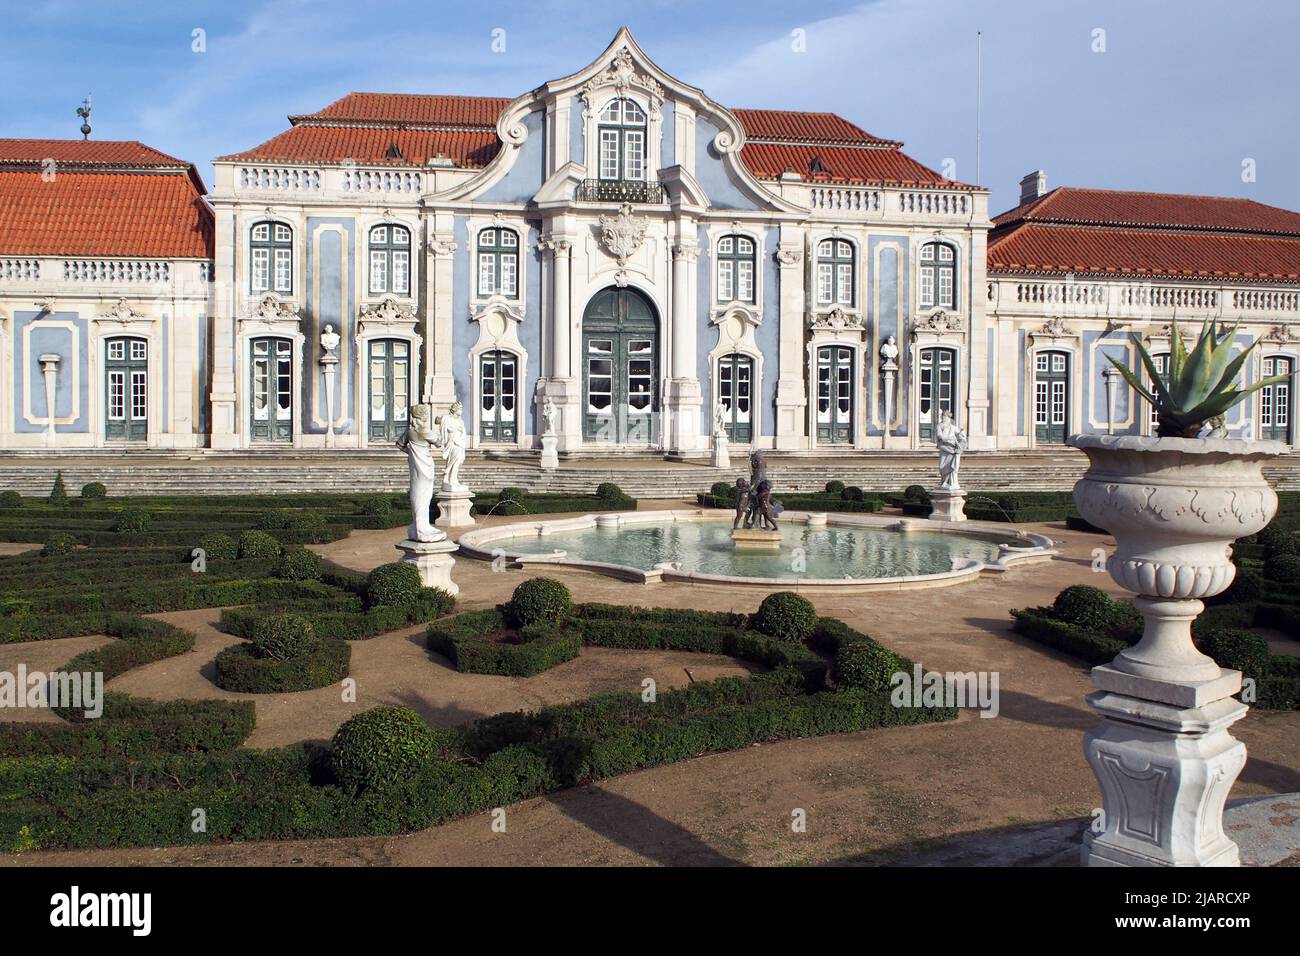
(620, 190)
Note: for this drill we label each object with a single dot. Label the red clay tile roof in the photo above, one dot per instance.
(1118, 233)
(1116, 207)
(360, 127)
(370, 145)
(106, 199)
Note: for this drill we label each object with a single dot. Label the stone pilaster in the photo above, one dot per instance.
(791, 397)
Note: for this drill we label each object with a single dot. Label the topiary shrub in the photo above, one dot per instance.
(1247, 586)
(786, 616)
(834, 487)
(866, 665)
(219, 546)
(383, 746)
(608, 491)
(539, 601)
(258, 546)
(281, 637)
(852, 493)
(94, 489)
(1282, 568)
(916, 493)
(512, 494)
(60, 542)
(131, 521)
(299, 564)
(393, 584)
(1277, 538)
(722, 489)
(380, 506)
(1093, 609)
(1237, 650)
(290, 519)
(59, 493)
(10, 500)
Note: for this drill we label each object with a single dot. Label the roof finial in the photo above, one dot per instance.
(84, 112)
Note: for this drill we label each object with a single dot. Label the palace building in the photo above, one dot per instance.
(615, 241)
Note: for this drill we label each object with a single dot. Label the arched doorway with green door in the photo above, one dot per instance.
(620, 369)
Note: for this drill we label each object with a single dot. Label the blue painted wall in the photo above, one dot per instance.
(712, 175)
(202, 383)
(530, 332)
(46, 339)
(1093, 379)
(463, 331)
(331, 309)
(668, 147)
(769, 333)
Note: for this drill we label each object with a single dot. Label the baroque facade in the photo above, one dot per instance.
(621, 244)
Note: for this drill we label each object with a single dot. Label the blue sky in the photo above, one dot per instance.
(1183, 93)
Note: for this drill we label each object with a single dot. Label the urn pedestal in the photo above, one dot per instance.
(550, 455)
(434, 561)
(721, 454)
(948, 504)
(1163, 756)
(454, 509)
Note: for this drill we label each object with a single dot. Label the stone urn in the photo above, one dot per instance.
(1163, 756)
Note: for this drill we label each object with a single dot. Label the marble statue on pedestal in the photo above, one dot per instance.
(329, 340)
(889, 355)
(720, 420)
(952, 442)
(453, 440)
(418, 441)
(548, 416)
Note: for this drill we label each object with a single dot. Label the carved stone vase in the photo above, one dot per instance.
(1163, 756)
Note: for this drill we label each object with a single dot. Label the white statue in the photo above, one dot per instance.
(889, 354)
(453, 440)
(548, 416)
(720, 420)
(418, 441)
(952, 442)
(329, 339)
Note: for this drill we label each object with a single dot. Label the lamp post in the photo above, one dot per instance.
(50, 370)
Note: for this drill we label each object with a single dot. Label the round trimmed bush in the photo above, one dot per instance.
(299, 564)
(131, 521)
(219, 547)
(382, 746)
(94, 489)
(379, 506)
(722, 489)
(866, 665)
(1092, 609)
(1237, 650)
(834, 487)
(608, 491)
(281, 637)
(852, 493)
(916, 493)
(10, 500)
(512, 494)
(241, 669)
(786, 616)
(393, 584)
(539, 601)
(258, 546)
(59, 543)
(1283, 568)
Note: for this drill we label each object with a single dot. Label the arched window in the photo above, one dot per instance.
(498, 263)
(271, 258)
(938, 276)
(735, 269)
(835, 272)
(622, 134)
(390, 260)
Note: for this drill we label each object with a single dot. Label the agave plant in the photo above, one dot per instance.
(1198, 386)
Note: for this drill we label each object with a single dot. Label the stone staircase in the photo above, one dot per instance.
(232, 473)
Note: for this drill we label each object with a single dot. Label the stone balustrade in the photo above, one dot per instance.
(1091, 298)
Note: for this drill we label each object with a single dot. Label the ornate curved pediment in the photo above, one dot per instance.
(497, 306)
(272, 314)
(388, 313)
(622, 74)
(122, 313)
(938, 323)
(837, 320)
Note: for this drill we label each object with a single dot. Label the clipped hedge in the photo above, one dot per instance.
(244, 669)
(475, 643)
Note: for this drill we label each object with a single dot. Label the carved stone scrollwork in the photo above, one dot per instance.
(938, 323)
(122, 312)
(837, 320)
(623, 233)
(789, 256)
(1281, 335)
(442, 247)
(388, 313)
(687, 251)
(271, 309)
(623, 75)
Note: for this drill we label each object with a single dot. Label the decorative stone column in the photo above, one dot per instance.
(684, 393)
(50, 371)
(439, 385)
(791, 395)
(562, 387)
(1163, 756)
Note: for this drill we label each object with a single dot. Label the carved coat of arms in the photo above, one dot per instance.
(622, 234)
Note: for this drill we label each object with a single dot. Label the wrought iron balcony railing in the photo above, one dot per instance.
(620, 190)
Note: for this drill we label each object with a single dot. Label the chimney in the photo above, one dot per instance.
(1033, 186)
